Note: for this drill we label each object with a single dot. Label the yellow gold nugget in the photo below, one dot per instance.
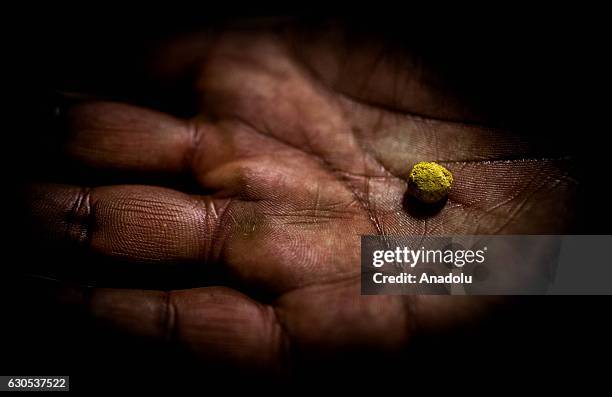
(429, 182)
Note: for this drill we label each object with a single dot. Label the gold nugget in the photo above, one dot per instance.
(429, 182)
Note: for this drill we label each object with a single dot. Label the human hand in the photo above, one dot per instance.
(301, 145)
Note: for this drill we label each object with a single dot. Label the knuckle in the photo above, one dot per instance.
(80, 218)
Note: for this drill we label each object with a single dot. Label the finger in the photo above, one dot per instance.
(116, 136)
(219, 325)
(139, 142)
(141, 224)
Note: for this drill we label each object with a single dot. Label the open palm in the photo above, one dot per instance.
(302, 145)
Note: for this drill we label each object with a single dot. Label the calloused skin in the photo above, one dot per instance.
(302, 145)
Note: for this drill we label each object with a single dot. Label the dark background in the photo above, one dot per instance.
(537, 68)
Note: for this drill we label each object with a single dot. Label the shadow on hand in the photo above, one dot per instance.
(421, 210)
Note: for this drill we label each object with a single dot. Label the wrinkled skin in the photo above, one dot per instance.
(302, 145)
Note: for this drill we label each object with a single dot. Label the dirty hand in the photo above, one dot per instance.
(301, 145)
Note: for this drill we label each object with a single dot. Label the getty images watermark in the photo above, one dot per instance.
(485, 265)
(407, 257)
